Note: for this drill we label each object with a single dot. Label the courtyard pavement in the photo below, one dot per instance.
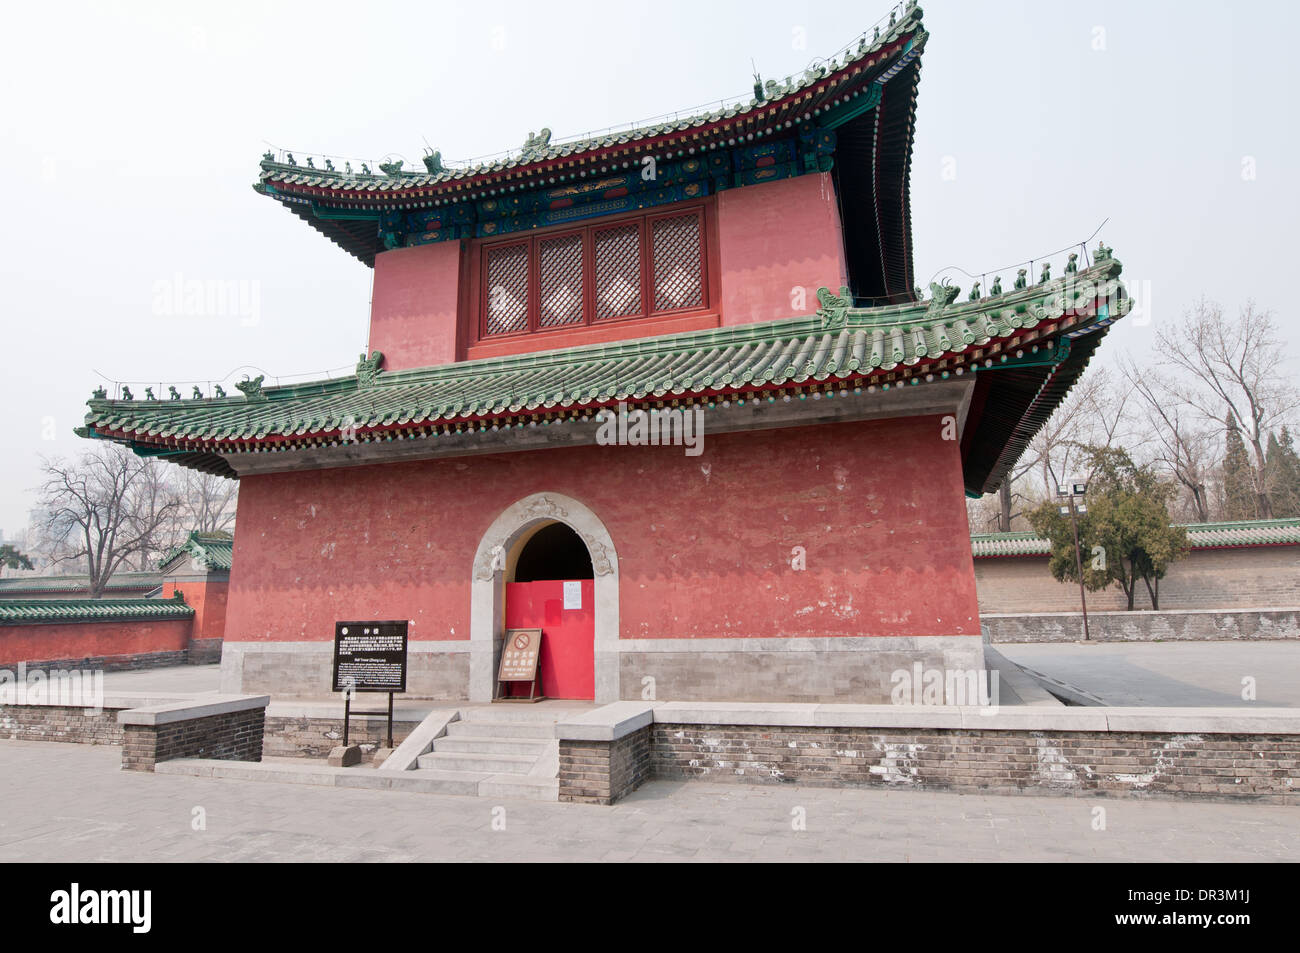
(71, 803)
(1170, 674)
(173, 678)
(1130, 674)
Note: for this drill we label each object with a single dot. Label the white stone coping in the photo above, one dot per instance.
(607, 723)
(111, 702)
(200, 707)
(1258, 721)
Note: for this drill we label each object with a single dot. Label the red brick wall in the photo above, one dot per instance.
(414, 305)
(91, 640)
(705, 543)
(208, 599)
(1252, 578)
(774, 238)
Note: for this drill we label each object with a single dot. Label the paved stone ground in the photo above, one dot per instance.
(71, 803)
(172, 678)
(1164, 674)
(1171, 674)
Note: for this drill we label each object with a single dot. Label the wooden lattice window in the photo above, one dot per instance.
(679, 266)
(559, 271)
(507, 288)
(618, 272)
(634, 268)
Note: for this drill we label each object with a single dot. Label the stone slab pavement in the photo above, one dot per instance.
(71, 803)
(1170, 674)
(165, 680)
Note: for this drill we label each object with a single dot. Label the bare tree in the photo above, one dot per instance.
(104, 510)
(1182, 444)
(207, 501)
(1237, 364)
(1094, 414)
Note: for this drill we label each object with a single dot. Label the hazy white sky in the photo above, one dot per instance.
(132, 131)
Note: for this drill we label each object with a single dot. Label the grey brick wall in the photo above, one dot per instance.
(314, 737)
(59, 723)
(1173, 626)
(601, 772)
(235, 736)
(1215, 766)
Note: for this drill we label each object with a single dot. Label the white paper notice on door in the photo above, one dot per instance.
(572, 595)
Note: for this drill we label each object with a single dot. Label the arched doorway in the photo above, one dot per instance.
(526, 533)
(552, 588)
(554, 551)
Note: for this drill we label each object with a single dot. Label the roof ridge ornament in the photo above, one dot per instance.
(834, 307)
(368, 368)
(537, 145)
(252, 388)
(433, 162)
(941, 295)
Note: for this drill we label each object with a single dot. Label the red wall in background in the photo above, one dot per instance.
(705, 543)
(776, 237)
(414, 305)
(208, 599)
(78, 640)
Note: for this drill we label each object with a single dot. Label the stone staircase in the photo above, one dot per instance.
(497, 751)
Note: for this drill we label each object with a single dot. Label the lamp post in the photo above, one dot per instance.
(1070, 494)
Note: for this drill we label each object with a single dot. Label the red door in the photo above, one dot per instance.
(568, 661)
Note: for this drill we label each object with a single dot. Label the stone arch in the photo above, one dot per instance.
(487, 591)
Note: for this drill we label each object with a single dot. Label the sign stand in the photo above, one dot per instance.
(369, 657)
(520, 662)
(347, 716)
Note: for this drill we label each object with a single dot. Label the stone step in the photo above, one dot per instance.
(422, 780)
(494, 744)
(513, 714)
(482, 763)
(439, 781)
(520, 786)
(529, 729)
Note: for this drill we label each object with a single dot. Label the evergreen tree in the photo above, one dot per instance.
(1283, 474)
(1239, 498)
(11, 558)
(1125, 536)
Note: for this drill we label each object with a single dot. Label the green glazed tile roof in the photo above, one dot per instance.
(26, 611)
(347, 200)
(122, 581)
(840, 343)
(209, 550)
(782, 104)
(1284, 532)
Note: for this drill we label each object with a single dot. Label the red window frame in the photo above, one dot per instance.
(644, 222)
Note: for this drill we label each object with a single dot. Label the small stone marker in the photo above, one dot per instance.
(342, 757)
